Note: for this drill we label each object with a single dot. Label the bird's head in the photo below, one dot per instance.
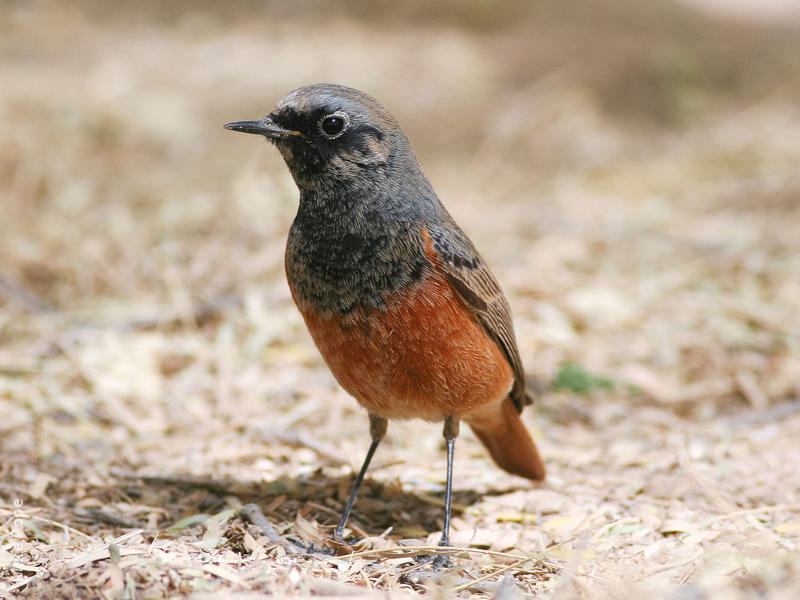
(332, 134)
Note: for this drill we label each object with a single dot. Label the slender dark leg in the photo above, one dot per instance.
(450, 432)
(377, 429)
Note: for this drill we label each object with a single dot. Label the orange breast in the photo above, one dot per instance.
(424, 356)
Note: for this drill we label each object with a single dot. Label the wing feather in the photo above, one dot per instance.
(471, 278)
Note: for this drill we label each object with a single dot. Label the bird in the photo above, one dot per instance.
(402, 307)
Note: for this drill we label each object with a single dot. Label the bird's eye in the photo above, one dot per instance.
(333, 125)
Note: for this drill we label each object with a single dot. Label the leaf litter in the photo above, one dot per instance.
(169, 430)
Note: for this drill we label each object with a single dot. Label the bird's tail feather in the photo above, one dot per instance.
(508, 440)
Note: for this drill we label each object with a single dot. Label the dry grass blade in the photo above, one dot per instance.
(491, 575)
(753, 511)
(411, 550)
(673, 565)
(16, 513)
(103, 551)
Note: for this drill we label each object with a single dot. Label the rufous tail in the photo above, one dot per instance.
(505, 436)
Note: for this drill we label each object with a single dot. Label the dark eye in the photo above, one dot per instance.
(333, 125)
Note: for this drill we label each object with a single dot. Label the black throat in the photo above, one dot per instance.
(353, 245)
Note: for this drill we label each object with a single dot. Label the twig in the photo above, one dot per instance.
(773, 413)
(217, 487)
(93, 514)
(253, 513)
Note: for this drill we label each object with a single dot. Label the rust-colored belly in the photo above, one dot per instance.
(424, 356)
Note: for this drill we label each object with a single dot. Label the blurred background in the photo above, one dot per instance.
(629, 170)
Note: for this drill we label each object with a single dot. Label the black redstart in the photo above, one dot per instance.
(402, 307)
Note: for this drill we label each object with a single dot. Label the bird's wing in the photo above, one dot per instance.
(471, 278)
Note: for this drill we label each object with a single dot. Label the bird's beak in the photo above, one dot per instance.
(265, 127)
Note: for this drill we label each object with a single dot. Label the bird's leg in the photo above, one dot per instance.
(450, 432)
(377, 429)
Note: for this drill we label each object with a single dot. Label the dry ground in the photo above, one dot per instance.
(630, 170)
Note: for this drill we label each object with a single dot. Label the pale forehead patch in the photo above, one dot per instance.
(297, 100)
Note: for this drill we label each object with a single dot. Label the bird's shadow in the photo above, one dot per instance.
(315, 496)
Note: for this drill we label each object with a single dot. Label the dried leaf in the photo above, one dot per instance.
(6, 558)
(40, 484)
(515, 517)
(791, 527)
(563, 524)
(33, 528)
(625, 529)
(676, 526)
(187, 522)
(571, 554)
(309, 531)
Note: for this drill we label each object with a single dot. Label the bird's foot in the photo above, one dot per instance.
(325, 550)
